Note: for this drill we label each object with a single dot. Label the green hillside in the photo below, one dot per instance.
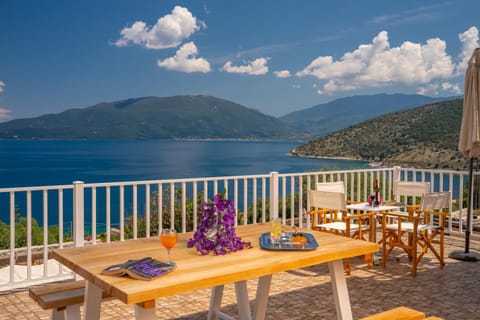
(183, 117)
(425, 137)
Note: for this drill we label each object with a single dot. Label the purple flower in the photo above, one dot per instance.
(218, 218)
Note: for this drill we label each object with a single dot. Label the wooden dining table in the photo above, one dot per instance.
(194, 271)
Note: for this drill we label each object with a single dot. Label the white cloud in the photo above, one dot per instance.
(185, 60)
(5, 114)
(377, 65)
(1, 86)
(434, 89)
(282, 74)
(169, 31)
(451, 87)
(255, 67)
(469, 41)
(429, 89)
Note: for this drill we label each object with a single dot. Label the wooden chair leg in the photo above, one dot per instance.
(369, 259)
(414, 254)
(347, 266)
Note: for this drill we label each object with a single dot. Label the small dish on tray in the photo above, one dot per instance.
(296, 241)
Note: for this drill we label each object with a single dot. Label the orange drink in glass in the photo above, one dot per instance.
(168, 239)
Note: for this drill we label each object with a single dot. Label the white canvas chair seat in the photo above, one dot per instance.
(342, 226)
(419, 230)
(409, 227)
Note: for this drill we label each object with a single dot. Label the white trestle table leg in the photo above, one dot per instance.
(215, 302)
(243, 303)
(242, 300)
(145, 311)
(340, 290)
(261, 300)
(93, 301)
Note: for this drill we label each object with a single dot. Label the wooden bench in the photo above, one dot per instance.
(400, 313)
(63, 298)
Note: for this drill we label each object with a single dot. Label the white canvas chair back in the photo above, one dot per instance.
(410, 189)
(435, 201)
(337, 186)
(327, 199)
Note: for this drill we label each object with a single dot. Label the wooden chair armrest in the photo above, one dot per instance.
(323, 213)
(353, 202)
(412, 208)
(369, 215)
(399, 215)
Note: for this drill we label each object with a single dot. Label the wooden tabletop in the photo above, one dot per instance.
(199, 272)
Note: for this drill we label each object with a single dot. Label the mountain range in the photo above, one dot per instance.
(181, 117)
(203, 117)
(341, 113)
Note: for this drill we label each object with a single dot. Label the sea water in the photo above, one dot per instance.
(46, 163)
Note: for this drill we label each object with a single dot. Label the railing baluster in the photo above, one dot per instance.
(160, 207)
(254, 200)
(184, 207)
(284, 199)
(12, 236)
(215, 187)
(107, 213)
(195, 206)
(122, 213)
(134, 212)
(94, 214)
(147, 210)
(29, 235)
(245, 201)
(172, 205)
(235, 196)
(264, 199)
(45, 232)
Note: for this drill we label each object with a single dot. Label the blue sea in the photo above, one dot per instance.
(42, 163)
(48, 163)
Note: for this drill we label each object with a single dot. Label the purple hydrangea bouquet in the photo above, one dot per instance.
(216, 228)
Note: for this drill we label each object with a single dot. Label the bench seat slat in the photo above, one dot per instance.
(60, 295)
(62, 299)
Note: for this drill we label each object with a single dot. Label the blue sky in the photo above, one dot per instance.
(275, 56)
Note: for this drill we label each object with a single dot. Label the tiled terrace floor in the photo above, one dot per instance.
(451, 293)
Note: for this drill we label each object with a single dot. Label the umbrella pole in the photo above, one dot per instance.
(469, 207)
(467, 255)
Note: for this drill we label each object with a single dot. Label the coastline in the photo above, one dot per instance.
(371, 164)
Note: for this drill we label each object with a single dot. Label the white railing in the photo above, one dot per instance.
(40, 218)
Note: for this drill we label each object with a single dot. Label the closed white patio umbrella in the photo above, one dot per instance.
(469, 142)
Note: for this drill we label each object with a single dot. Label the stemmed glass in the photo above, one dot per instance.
(168, 239)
